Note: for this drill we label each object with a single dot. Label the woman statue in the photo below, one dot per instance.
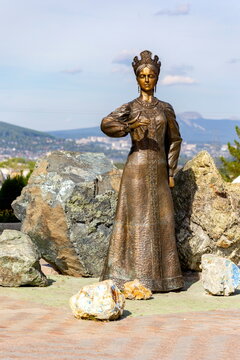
(143, 244)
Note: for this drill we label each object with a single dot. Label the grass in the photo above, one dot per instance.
(192, 298)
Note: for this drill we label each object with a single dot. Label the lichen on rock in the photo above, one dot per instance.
(19, 261)
(207, 213)
(67, 209)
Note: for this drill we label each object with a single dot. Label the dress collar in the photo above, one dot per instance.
(146, 104)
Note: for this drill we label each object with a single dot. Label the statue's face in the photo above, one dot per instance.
(147, 79)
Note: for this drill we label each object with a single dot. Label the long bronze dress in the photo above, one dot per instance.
(143, 244)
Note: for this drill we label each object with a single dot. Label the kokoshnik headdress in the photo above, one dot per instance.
(146, 59)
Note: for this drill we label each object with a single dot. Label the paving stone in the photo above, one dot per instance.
(51, 333)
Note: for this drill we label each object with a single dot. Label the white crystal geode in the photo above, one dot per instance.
(101, 301)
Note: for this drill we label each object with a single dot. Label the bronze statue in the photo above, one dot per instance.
(143, 244)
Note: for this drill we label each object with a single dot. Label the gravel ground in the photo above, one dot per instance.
(10, 226)
(192, 298)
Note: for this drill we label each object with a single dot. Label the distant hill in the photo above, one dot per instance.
(77, 133)
(17, 141)
(20, 142)
(194, 129)
(15, 132)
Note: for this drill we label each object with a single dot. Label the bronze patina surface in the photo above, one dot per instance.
(143, 244)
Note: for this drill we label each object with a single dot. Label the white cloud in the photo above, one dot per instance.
(181, 69)
(74, 71)
(41, 38)
(122, 69)
(124, 58)
(178, 80)
(181, 9)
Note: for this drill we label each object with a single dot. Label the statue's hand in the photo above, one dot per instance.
(136, 122)
(171, 182)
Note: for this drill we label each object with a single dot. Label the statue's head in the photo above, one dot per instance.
(146, 70)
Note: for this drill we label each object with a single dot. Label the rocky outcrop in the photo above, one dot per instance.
(69, 204)
(207, 213)
(99, 301)
(220, 276)
(19, 261)
(67, 209)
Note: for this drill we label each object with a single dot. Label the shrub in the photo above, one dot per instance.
(11, 189)
(231, 168)
(7, 216)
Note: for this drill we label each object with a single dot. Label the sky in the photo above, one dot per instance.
(66, 64)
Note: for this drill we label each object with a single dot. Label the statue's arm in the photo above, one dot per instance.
(115, 124)
(174, 140)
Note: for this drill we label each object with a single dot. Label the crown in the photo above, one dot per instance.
(146, 59)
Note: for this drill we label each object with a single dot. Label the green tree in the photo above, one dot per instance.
(18, 164)
(231, 167)
(11, 188)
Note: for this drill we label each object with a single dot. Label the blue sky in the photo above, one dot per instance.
(67, 63)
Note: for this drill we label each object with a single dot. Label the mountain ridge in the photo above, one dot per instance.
(17, 141)
(197, 130)
(16, 130)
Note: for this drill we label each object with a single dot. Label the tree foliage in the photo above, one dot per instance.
(11, 188)
(231, 167)
(18, 164)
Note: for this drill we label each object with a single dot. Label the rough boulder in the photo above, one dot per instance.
(67, 209)
(207, 213)
(19, 261)
(220, 276)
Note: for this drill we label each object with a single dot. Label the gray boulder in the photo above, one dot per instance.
(67, 209)
(207, 213)
(19, 261)
(220, 276)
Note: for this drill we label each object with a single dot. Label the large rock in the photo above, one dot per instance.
(19, 261)
(207, 213)
(67, 209)
(220, 276)
(100, 301)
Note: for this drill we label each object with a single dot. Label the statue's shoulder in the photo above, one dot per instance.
(132, 105)
(168, 109)
(124, 108)
(132, 102)
(166, 106)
